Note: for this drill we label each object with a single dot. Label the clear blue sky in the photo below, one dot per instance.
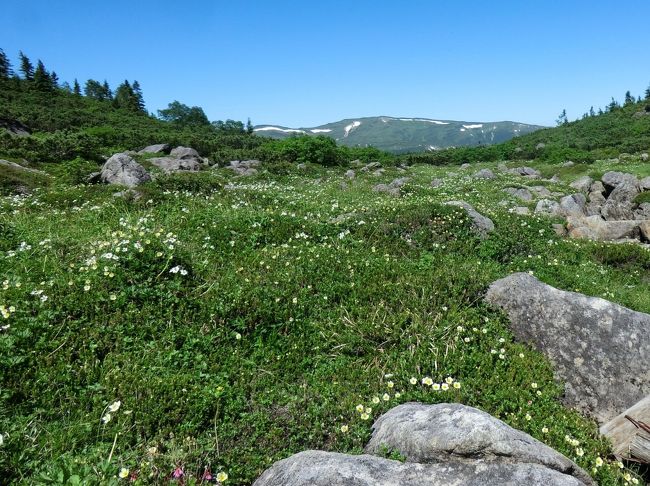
(305, 63)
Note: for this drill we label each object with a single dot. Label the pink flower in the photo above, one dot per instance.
(178, 473)
(207, 475)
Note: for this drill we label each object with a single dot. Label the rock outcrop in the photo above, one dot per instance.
(601, 350)
(160, 148)
(482, 224)
(444, 444)
(123, 170)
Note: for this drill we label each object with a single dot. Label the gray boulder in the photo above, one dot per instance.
(521, 210)
(525, 171)
(644, 184)
(540, 146)
(244, 168)
(161, 148)
(596, 228)
(484, 174)
(620, 203)
(521, 193)
(370, 166)
(613, 179)
(185, 153)
(642, 212)
(601, 350)
(350, 174)
(123, 170)
(582, 184)
(573, 205)
(482, 224)
(540, 191)
(547, 207)
(465, 166)
(393, 191)
(430, 434)
(568, 163)
(317, 468)
(436, 182)
(173, 164)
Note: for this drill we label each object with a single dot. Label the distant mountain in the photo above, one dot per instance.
(400, 135)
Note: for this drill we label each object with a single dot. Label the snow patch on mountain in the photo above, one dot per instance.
(278, 129)
(351, 127)
(437, 122)
(320, 130)
(469, 127)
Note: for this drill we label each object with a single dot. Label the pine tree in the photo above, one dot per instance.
(613, 105)
(629, 99)
(26, 67)
(591, 111)
(125, 97)
(562, 119)
(54, 78)
(108, 94)
(5, 66)
(139, 99)
(76, 88)
(42, 80)
(249, 127)
(647, 93)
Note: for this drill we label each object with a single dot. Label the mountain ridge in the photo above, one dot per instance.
(406, 134)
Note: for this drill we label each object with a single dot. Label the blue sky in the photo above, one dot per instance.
(302, 63)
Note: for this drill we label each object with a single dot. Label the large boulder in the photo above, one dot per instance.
(613, 179)
(185, 153)
(123, 170)
(582, 184)
(482, 224)
(160, 148)
(573, 205)
(596, 228)
(318, 468)
(436, 433)
(244, 168)
(620, 202)
(601, 350)
(173, 164)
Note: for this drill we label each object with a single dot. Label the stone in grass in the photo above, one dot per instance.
(484, 174)
(450, 431)
(319, 468)
(601, 350)
(482, 224)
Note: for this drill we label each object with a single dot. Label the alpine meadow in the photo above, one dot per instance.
(381, 300)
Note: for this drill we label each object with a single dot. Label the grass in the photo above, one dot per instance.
(230, 323)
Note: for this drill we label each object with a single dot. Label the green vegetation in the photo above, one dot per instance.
(217, 324)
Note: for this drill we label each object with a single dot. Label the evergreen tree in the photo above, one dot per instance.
(139, 99)
(42, 80)
(613, 105)
(108, 94)
(5, 66)
(249, 127)
(76, 88)
(55, 79)
(126, 98)
(26, 67)
(591, 111)
(629, 99)
(562, 119)
(647, 93)
(93, 89)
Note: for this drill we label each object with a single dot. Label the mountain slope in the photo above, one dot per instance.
(400, 135)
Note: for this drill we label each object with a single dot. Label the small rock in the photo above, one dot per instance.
(540, 191)
(173, 164)
(559, 229)
(644, 227)
(482, 224)
(465, 166)
(436, 182)
(522, 210)
(484, 174)
(547, 206)
(350, 174)
(596, 228)
(540, 146)
(521, 193)
(568, 163)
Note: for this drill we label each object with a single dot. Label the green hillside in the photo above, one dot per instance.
(401, 135)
